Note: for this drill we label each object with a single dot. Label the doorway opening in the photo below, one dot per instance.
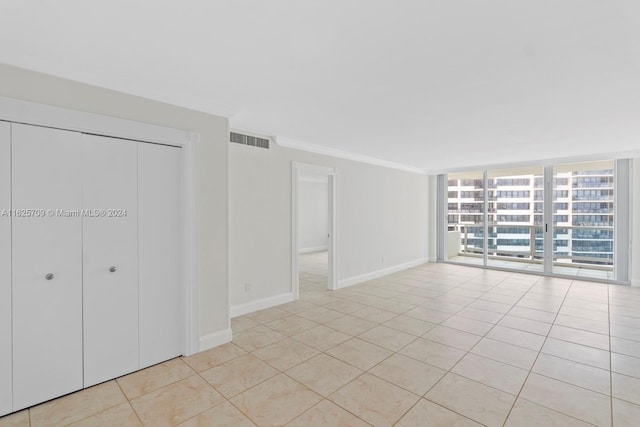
(313, 230)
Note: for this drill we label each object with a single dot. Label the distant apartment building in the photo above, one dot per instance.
(583, 216)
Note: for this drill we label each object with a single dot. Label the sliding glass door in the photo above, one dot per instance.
(583, 219)
(557, 219)
(465, 218)
(515, 218)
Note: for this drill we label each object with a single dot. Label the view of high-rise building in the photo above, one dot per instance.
(583, 215)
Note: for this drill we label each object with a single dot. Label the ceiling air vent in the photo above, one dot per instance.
(253, 141)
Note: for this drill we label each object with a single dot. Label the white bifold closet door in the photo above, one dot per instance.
(160, 253)
(5, 269)
(110, 253)
(46, 265)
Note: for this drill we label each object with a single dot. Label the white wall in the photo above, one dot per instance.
(635, 223)
(381, 212)
(36, 87)
(313, 214)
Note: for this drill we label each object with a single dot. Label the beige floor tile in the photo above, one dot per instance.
(285, 354)
(320, 314)
(395, 306)
(291, 325)
(444, 306)
(465, 324)
(344, 306)
(584, 324)
(276, 401)
(625, 365)
(580, 403)
(324, 374)
(322, 338)
(598, 316)
(359, 353)
(428, 414)
(351, 325)
(477, 401)
(410, 325)
(19, 419)
(256, 338)
(495, 374)
(209, 358)
(626, 347)
(481, 315)
(516, 337)
(525, 413)
(153, 378)
(241, 323)
(237, 375)
(506, 353)
(388, 338)
(374, 400)
(222, 415)
(578, 353)
(575, 373)
(77, 406)
(452, 337)
(374, 314)
(409, 374)
(626, 332)
(433, 353)
(495, 307)
(428, 314)
(579, 336)
(327, 413)
(267, 315)
(625, 388)
(121, 415)
(297, 306)
(528, 313)
(177, 402)
(625, 414)
(527, 325)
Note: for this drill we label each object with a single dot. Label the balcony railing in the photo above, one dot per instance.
(595, 256)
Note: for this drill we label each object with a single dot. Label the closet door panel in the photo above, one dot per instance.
(160, 255)
(47, 265)
(5, 269)
(110, 194)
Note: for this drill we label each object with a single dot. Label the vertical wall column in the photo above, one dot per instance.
(5, 269)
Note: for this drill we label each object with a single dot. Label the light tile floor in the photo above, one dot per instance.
(313, 271)
(514, 264)
(437, 344)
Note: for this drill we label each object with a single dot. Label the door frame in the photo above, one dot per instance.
(332, 176)
(36, 114)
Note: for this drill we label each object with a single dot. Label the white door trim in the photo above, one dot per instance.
(333, 226)
(19, 111)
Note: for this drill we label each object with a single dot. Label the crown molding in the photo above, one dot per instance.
(333, 152)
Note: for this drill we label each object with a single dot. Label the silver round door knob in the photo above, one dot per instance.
(112, 269)
(49, 276)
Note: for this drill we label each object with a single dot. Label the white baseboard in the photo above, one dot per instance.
(315, 249)
(343, 283)
(635, 282)
(250, 307)
(215, 339)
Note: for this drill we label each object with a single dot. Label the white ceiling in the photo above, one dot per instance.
(432, 84)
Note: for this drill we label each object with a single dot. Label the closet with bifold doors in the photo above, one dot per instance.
(91, 270)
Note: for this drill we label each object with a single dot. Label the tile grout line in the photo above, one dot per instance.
(610, 358)
(537, 356)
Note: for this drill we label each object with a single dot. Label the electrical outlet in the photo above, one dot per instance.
(382, 260)
(247, 287)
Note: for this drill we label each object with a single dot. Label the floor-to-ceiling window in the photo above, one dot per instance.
(558, 219)
(583, 219)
